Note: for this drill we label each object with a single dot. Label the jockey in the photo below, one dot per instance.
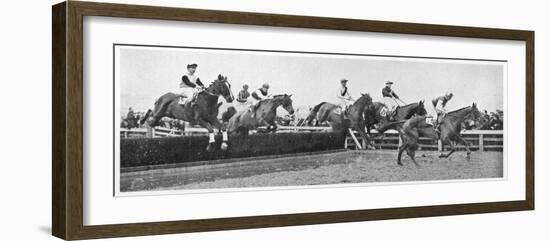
(257, 96)
(190, 84)
(343, 96)
(242, 98)
(439, 104)
(131, 115)
(389, 98)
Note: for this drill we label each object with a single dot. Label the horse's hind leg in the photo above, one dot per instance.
(400, 152)
(410, 151)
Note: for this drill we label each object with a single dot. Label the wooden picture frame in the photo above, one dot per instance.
(67, 124)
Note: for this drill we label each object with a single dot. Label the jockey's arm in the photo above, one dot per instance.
(258, 95)
(440, 107)
(199, 83)
(188, 82)
(394, 95)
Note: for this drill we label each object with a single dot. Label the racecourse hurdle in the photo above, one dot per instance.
(482, 140)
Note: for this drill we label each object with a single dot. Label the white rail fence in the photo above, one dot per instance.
(481, 140)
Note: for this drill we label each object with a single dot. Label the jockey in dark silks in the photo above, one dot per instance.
(439, 104)
(259, 95)
(389, 98)
(190, 84)
(242, 98)
(343, 96)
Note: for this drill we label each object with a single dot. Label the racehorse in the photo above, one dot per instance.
(333, 114)
(451, 126)
(409, 132)
(204, 112)
(264, 115)
(373, 115)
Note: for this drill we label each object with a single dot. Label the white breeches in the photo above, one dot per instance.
(240, 106)
(389, 102)
(188, 92)
(343, 103)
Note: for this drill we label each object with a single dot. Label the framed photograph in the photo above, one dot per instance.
(171, 120)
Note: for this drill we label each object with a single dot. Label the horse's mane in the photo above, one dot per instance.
(463, 108)
(407, 105)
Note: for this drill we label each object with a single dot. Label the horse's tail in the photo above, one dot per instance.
(313, 112)
(230, 112)
(145, 117)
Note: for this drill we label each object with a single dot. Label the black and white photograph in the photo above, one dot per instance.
(192, 118)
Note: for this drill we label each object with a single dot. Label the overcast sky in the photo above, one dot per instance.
(147, 73)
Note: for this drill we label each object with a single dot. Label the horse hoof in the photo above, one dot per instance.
(399, 163)
(442, 156)
(224, 146)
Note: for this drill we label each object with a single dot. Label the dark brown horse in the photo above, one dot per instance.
(409, 132)
(373, 116)
(265, 113)
(451, 126)
(335, 116)
(415, 127)
(204, 112)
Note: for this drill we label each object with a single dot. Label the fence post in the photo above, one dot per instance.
(481, 145)
(358, 145)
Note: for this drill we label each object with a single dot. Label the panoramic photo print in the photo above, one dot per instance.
(190, 118)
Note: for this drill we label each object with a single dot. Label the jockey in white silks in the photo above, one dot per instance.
(439, 104)
(343, 97)
(190, 85)
(257, 96)
(389, 98)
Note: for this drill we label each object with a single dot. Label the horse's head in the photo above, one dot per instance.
(364, 101)
(475, 113)
(420, 109)
(222, 87)
(286, 103)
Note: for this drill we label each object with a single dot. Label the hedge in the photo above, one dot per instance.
(174, 150)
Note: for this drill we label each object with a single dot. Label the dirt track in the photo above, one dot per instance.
(333, 168)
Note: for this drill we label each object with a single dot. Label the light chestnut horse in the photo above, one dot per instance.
(264, 115)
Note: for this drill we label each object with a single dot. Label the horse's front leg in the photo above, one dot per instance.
(272, 127)
(451, 144)
(466, 144)
(211, 135)
(223, 130)
(366, 139)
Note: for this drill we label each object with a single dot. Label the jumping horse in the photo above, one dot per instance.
(336, 117)
(264, 115)
(204, 112)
